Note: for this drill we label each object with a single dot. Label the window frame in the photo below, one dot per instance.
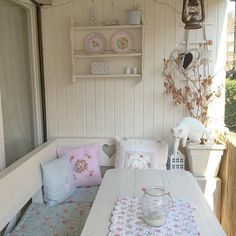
(31, 10)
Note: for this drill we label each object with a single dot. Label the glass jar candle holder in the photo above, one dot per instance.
(155, 206)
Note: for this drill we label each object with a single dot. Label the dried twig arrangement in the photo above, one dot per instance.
(197, 93)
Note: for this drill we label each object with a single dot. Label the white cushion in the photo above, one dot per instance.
(128, 150)
(58, 181)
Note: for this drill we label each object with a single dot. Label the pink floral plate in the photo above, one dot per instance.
(122, 42)
(94, 43)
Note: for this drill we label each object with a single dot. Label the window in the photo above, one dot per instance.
(19, 81)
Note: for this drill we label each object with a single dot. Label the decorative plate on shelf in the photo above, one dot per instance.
(94, 43)
(122, 42)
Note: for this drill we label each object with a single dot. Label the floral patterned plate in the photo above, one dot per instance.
(122, 42)
(94, 43)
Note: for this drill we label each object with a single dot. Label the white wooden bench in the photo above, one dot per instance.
(23, 180)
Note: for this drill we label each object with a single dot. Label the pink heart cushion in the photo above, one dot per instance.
(85, 164)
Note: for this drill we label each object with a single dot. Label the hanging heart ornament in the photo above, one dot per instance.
(185, 58)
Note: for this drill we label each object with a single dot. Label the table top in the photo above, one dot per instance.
(122, 182)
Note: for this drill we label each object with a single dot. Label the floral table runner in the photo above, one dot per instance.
(127, 220)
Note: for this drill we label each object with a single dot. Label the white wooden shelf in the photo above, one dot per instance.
(116, 62)
(87, 76)
(107, 54)
(107, 27)
(194, 42)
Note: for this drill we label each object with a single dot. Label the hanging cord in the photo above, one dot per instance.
(205, 48)
(186, 39)
(168, 5)
(204, 33)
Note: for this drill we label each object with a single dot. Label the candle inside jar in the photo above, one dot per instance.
(156, 219)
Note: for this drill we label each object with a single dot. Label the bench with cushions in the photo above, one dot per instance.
(68, 217)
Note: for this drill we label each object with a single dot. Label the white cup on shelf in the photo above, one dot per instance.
(127, 70)
(134, 70)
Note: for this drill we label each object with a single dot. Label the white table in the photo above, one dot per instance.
(180, 184)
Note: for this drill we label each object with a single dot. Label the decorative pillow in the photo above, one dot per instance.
(85, 164)
(155, 151)
(138, 160)
(58, 181)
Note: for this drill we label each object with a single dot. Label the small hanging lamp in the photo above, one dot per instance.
(193, 14)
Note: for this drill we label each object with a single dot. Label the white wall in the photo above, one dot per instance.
(119, 107)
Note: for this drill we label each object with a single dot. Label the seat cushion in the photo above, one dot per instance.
(66, 219)
(82, 194)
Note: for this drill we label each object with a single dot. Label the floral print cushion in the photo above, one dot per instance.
(66, 219)
(138, 160)
(156, 150)
(85, 164)
(84, 193)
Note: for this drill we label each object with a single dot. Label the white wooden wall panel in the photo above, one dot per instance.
(179, 32)
(116, 106)
(148, 72)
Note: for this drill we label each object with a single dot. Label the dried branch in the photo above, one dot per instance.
(197, 94)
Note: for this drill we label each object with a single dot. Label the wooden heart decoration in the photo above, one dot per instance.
(187, 59)
(109, 150)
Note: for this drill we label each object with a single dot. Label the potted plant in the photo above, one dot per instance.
(203, 158)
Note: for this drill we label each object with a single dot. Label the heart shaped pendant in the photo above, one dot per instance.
(187, 59)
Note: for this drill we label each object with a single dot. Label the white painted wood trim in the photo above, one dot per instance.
(21, 180)
(108, 76)
(45, 2)
(211, 188)
(108, 27)
(194, 42)
(72, 49)
(107, 54)
(143, 49)
(35, 76)
(34, 68)
(2, 145)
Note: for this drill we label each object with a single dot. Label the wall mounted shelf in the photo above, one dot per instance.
(107, 76)
(107, 54)
(117, 62)
(107, 27)
(194, 42)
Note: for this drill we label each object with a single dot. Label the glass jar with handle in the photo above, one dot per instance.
(155, 205)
